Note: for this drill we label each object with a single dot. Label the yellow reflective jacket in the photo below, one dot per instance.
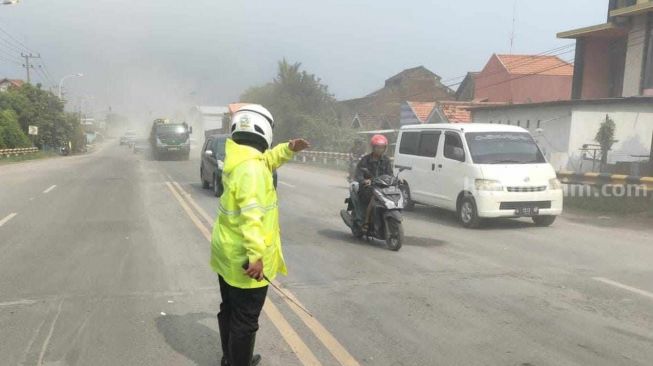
(247, 226)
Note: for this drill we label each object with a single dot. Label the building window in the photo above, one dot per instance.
(528, 123)
(509, 123)
(538, 123)
(519, 123)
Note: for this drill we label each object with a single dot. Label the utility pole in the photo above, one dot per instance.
(27, 64)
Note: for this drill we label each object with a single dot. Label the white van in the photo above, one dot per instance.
(479, 171)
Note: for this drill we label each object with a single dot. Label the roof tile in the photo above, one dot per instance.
(536, 64)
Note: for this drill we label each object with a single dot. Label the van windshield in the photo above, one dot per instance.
(503, 148)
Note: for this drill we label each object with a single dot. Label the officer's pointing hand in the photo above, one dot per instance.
(298, 145)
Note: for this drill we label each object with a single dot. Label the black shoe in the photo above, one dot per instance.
(256, 359)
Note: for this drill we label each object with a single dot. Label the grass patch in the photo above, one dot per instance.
(25, 157)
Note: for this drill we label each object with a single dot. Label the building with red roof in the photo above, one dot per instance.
(524, 79)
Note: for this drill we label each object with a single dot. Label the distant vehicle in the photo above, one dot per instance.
(479, 171)
(128, 137)
(212, 163)
(140, 145)
(169, 139)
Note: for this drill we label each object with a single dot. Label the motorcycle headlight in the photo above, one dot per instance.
(488, 185)
(554, 183)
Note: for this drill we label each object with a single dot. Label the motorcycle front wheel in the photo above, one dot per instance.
(394, 234)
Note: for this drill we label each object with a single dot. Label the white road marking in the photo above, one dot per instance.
(7, 218)
(17, 302)
(624, 287)
(286, 184)
(50, 188)
(47, 339)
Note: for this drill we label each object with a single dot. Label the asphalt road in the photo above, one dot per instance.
(104, 261)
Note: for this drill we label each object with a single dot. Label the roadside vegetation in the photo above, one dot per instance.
(30, 105)
(302, 106)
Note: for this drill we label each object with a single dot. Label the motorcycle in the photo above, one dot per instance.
(386, 218)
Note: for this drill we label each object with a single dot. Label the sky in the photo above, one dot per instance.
(160, 57)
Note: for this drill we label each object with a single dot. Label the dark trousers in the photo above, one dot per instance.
(238, 321)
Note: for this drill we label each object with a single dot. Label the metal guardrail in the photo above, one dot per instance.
(16, 152)
(604, 178)
(327, 157)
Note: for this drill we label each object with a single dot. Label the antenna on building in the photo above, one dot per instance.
(512, 33)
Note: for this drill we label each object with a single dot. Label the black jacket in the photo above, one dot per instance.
(375, 167)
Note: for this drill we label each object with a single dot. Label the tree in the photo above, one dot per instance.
(34, 106)
(605, 138)
(302, 106)
(11, 135)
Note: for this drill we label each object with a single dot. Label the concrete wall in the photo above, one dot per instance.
(634, 127)
(564, 129)
(596, 70)
(634, 56)
(540, 88)
(492, 82)
(551, 133)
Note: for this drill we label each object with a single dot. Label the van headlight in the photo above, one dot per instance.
(554, 184)
(159, 142)
(488, 185)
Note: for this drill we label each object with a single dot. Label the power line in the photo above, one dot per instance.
(16, 40)
(562, 64)
(550, 52)
(528, 61)
(27, 64)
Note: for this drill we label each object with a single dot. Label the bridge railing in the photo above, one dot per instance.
(16, 152)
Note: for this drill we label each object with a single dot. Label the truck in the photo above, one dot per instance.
(170, 139)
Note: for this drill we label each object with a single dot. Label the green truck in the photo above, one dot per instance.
(170, 140)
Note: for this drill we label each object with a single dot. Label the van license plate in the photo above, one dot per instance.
(527, 211)
(173, 149)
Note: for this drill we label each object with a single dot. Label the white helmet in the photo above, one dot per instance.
(254, 119)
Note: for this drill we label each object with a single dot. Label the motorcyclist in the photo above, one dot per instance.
(369, 167)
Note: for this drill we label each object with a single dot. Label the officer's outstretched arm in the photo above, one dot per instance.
(249, 198)
(274, 158)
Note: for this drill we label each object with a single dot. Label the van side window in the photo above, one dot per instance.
(408, 143)
(453, 147)
(428, 144)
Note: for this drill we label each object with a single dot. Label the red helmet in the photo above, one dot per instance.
(379, 140)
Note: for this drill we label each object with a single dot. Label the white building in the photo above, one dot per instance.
(561, 128)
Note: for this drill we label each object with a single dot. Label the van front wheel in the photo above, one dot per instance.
(468, 214)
